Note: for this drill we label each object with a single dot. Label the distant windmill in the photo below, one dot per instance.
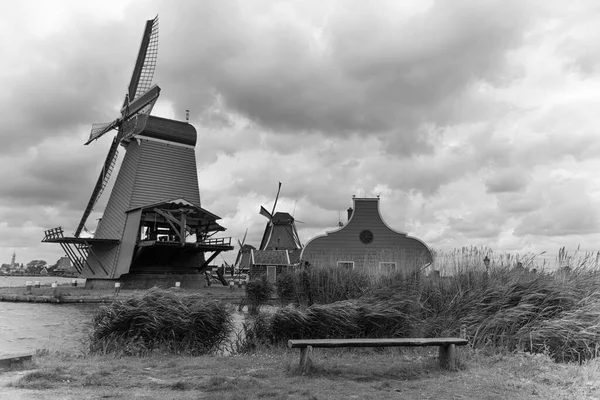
(153, 212)
(242, 261)
(280, 231)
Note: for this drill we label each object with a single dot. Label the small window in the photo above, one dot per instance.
(387, 266)
(346, 264)
(366, 236)
(272, 273)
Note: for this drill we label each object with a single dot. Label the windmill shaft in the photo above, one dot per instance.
(100, 183)
(136, 105)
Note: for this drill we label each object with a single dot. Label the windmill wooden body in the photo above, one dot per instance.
(153, 230)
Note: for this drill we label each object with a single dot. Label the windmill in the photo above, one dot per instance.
(280, 246)
(280, 231)
(153, 225)
(242, 261)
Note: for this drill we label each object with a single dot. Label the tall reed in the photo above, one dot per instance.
(509, 305)
(161, 320)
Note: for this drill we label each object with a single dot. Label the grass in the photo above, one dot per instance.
(519, 323)
(337, 374)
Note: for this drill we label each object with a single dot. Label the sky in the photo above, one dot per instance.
(474, 121)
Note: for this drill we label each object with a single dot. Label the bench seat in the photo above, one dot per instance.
(446, 347)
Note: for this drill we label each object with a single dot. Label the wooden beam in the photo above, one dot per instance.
(305, 361)
(369, 342)
(172, 221)
(447, 357)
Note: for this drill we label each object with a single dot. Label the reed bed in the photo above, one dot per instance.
(510, 306)
(161, 320)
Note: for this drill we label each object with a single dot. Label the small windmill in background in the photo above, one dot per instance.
(280, 231)
(280, 246)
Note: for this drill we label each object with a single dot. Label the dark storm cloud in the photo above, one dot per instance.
(64, 82)
(361, 69)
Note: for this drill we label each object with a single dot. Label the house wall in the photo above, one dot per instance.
(388, 245)
(257, 270)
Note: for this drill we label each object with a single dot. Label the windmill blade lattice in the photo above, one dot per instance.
(143, 81)
(107, 168)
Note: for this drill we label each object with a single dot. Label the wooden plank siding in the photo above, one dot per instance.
(388, 245)
(165, 172)
(113, 220)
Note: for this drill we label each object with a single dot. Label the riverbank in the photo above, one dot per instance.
(338, 374)
(75, 294)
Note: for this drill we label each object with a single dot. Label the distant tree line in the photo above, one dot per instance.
(35, 267)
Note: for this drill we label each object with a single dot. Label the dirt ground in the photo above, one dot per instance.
(272, 374)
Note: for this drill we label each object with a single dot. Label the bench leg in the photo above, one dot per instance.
(305, 361)
(447, 357)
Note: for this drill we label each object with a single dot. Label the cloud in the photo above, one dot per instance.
(471, 119)
(362, 69)
(511, 180)
(566, 208)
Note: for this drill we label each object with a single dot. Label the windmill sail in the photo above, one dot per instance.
(105, 173)
(143, 72)
(141, 94)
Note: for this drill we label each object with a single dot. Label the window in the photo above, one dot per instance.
(387, 267)
(366, 236)
(346, 264)
(272, 273)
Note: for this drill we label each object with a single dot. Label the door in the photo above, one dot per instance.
(272, 273)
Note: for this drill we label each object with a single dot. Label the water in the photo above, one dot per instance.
(26, 327)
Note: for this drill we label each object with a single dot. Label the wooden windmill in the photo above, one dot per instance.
(280, 246)
(280, 231)
(153, 227)
(242, 261)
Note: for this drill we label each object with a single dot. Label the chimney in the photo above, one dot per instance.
(350, 210)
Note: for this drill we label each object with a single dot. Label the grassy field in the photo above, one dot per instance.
(338, 374)
(532, 334)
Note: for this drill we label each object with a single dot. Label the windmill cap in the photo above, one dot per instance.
(282, 218)
(170, 130)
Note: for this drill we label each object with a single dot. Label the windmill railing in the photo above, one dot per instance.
(217, 241)
(54, 233)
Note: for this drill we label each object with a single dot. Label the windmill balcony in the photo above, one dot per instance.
(217, 241)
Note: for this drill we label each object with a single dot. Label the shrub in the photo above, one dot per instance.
(161, 319)
(258, 292)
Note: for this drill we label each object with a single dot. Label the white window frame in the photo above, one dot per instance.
(272, 277)
(345, 264)
(388, 266)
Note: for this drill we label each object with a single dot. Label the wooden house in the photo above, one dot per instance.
(367, 241)
(272, 262)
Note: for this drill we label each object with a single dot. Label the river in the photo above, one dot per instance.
(26, 327)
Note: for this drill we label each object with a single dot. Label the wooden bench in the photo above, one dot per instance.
(446, 346)
(11, 360)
